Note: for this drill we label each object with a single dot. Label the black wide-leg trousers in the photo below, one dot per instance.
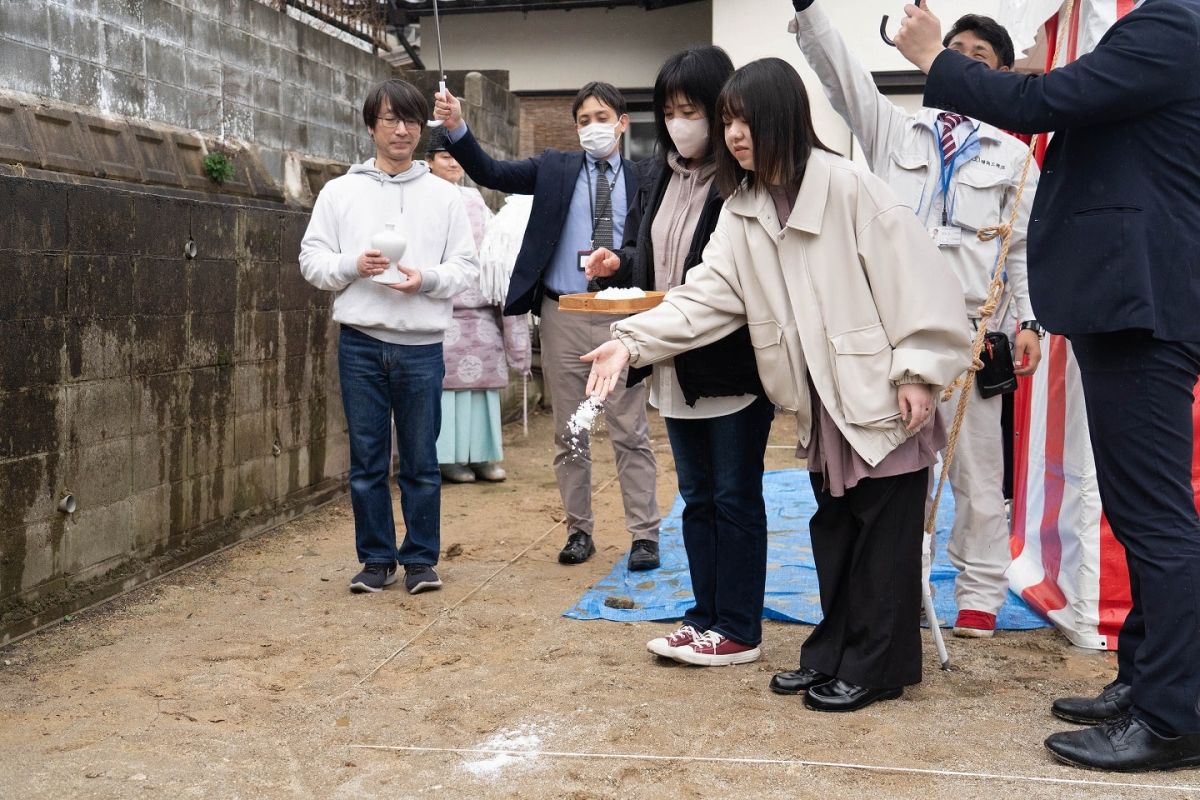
(867, 549)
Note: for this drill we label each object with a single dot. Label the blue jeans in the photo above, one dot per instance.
(382, 381)
(719, 463)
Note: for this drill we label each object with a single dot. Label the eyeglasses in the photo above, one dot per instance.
(394, 122)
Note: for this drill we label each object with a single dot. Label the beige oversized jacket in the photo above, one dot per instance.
(851, 290)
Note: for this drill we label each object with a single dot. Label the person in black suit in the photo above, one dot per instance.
(1114, 265)
(580, 201)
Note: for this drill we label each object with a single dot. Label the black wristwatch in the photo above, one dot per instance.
(1035, 326)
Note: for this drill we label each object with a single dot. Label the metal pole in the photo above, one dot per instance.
(437, 24)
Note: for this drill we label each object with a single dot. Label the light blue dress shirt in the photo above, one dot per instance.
(563, 275)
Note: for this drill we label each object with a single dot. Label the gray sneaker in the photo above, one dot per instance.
(373, 578)
(420, 578)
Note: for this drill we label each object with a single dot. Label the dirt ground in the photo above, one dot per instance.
(256, 674)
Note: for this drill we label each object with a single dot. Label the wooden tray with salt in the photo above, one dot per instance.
(588, 303)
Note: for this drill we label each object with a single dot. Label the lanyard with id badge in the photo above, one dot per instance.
(947, 234)
(584, 255)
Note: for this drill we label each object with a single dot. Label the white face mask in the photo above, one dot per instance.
(689, 135)
(599, 139)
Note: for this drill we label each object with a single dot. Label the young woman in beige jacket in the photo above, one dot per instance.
(856, 324)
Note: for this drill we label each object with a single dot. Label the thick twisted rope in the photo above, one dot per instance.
(987, 310)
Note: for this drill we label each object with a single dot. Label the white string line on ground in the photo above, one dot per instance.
(445, 611)
(781, 762)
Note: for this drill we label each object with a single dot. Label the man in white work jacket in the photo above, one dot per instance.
(958, 175)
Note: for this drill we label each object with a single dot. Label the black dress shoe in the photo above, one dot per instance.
(838, 695)
(1114, 700)
(643, 555)
(1124, 744)
(579, 548)
(798, 681)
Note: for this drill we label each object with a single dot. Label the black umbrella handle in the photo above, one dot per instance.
(883, 28)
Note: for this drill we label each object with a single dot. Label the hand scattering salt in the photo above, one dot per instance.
(620, 294)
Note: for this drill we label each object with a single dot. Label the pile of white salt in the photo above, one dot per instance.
(620, 294)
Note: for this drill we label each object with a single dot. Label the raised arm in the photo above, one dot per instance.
(511, 177)
(1149, 60)
(850, 87)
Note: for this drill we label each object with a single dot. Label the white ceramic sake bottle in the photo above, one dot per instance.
(392, 244)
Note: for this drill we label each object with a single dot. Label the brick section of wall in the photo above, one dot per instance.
(240, 69)
(185, 403)
(546, 122)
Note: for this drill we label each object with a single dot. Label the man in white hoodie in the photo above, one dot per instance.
(390, 346)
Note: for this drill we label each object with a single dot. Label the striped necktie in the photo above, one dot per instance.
(948, 122)
(603, 222)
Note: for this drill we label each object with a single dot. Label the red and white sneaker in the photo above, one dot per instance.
(975, 625)
(665, 645)
(711, 649)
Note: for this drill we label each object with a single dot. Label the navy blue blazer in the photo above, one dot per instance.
(1114, 237)
(550, 178)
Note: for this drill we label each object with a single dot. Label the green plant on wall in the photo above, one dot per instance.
(218, 166)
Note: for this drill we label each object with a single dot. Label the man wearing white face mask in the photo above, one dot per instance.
(580, 201)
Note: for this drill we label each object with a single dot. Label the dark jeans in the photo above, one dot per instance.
(380, 382)
(867, 550)
(719, 463)
(1138, 392)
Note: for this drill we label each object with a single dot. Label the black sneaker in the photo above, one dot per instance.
(420, 578)
(643, 555)
(373, 578)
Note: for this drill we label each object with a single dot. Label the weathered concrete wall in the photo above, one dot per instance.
(226, 68)
(184, 403)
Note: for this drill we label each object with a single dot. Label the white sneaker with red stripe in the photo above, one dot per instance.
(665, 645)
(711, 649)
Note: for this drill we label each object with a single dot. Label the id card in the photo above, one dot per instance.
(946, 236)
(584, 255)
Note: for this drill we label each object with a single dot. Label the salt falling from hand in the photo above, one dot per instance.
(583, 421)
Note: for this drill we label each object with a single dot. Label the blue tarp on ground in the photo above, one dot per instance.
(666, 593)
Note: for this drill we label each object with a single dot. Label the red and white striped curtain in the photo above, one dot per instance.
(1066, 563)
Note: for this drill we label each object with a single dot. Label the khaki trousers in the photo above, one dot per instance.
(979, 543)
(565, 337)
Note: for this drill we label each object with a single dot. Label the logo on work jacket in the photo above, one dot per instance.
(986, 163)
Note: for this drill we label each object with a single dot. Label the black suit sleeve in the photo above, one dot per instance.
(510, 177)
(1148, 62)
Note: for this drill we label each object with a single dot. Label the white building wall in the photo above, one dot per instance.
(562, 50)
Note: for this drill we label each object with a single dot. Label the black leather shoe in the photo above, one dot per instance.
(579, 548)
(837, 695)
(1124, 744)
(643, 555)
(1113, 700)
(798, 681)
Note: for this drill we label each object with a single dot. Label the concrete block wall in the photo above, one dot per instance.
(237, 69)
(183, 402)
